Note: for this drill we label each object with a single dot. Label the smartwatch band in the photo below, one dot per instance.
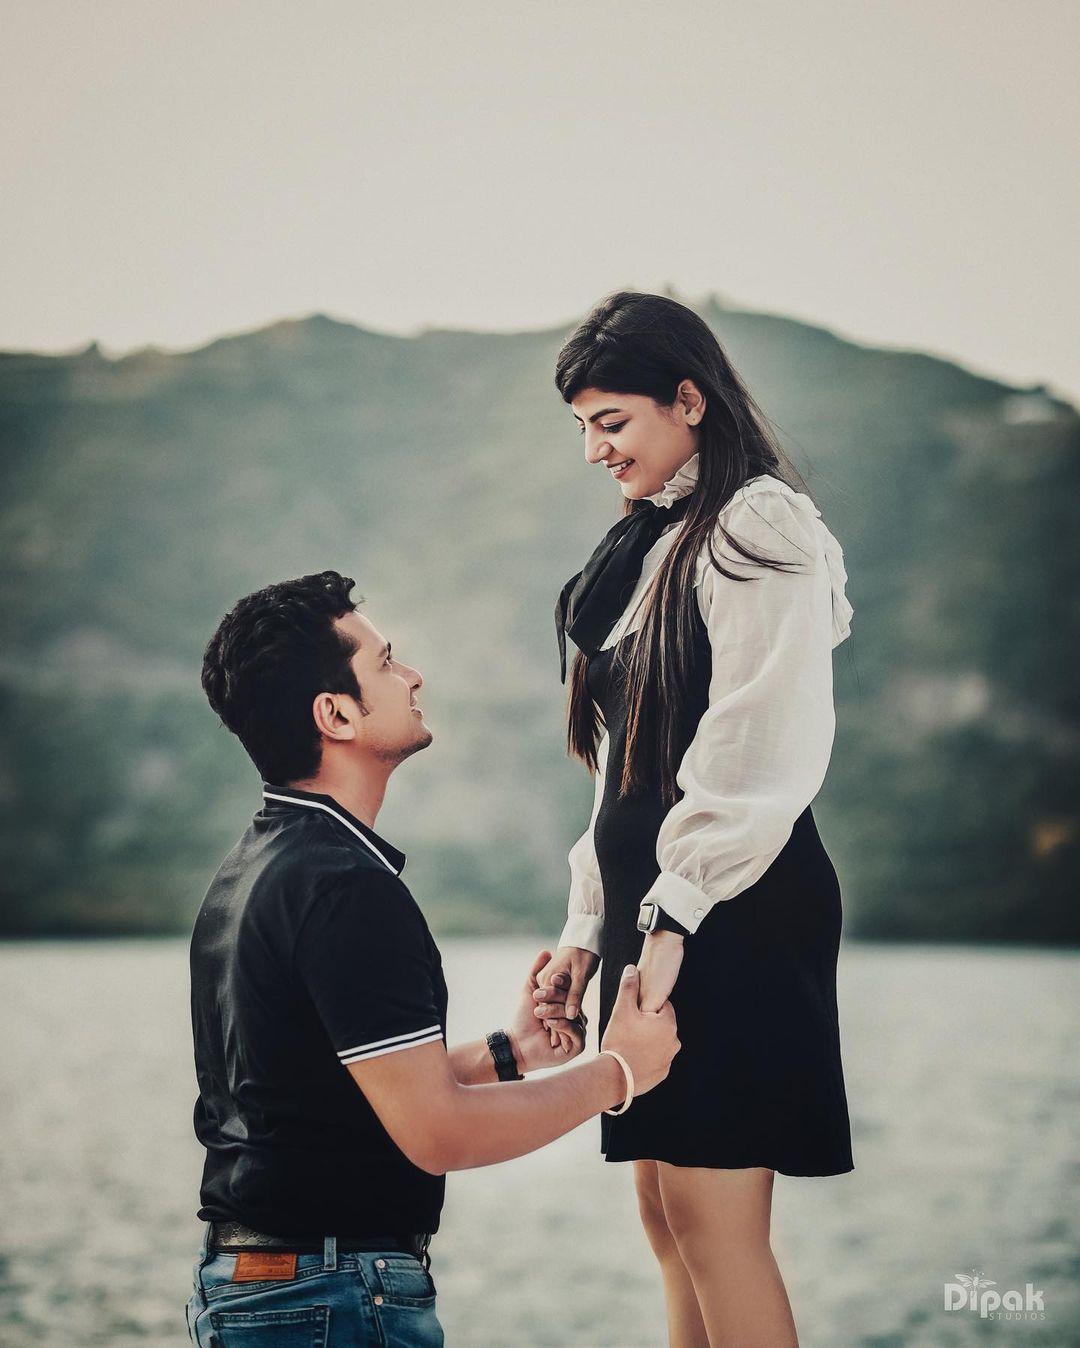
(665, 922)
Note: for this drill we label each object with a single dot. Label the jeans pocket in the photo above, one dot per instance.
(404, 1281)
(304, 1327)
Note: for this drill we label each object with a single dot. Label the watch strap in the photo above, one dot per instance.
(665, 922)
(503, 1053)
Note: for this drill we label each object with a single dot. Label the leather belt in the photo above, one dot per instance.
(234, 1237)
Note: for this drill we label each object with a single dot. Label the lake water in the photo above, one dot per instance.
(961, 1074)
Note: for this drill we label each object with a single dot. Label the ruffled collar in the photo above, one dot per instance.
(684, 482)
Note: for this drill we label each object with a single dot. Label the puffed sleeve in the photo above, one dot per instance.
(585, 907)
(762, 747)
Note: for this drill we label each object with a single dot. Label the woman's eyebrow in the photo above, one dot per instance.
(604, 411)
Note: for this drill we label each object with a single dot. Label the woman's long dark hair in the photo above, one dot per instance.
(647, 345)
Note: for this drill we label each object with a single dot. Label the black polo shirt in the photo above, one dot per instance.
(309, 953)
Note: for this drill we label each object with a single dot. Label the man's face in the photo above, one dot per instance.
(391, 726)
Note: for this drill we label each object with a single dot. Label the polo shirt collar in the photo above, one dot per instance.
(290, 796)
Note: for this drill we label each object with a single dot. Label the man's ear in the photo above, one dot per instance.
(334, 715)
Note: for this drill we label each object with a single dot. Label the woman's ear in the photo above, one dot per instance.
(692, 401)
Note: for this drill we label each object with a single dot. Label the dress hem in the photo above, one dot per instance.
(792, 1172)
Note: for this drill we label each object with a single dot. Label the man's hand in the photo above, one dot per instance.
(562, 984)
(648, 1040)
(661, 959)
(534, 1045)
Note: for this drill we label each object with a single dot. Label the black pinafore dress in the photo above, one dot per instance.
(758, 1081)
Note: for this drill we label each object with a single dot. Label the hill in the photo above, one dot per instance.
(142, 495)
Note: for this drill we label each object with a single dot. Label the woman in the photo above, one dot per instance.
(701, 697)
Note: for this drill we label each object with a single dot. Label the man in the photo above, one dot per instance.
(329, 1104)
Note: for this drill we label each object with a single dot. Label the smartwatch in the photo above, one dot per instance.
(651, 917)
(503, 1053)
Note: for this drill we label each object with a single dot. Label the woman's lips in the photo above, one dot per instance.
(620, 470)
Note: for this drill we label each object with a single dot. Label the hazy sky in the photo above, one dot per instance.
(903, 171)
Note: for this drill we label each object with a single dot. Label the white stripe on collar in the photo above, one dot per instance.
(318, 805)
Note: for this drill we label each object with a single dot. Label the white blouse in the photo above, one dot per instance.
(762, 747)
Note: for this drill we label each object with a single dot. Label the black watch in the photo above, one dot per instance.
(651, 917)
(503, 1052)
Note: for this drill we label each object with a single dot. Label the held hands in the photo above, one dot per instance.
(534, 1045)
(642, 1026)
(569, 972)
(562, 986)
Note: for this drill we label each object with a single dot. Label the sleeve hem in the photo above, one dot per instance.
(394, 1044)
(682, 900)
(583, 931)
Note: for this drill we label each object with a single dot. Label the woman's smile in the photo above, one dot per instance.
(620, 470)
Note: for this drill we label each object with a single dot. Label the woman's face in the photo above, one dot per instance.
(641, 443)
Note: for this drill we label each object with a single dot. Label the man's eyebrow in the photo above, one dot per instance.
(604, 411)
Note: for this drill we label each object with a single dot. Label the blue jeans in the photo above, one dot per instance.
(347, 1300)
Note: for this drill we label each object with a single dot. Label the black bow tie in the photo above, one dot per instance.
(592, 602)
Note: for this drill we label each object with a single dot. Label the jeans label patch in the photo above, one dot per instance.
(254, 1266)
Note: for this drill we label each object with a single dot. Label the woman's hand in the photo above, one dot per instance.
(579, 966)
(534, 1045)
(660, 962)
(562, 984)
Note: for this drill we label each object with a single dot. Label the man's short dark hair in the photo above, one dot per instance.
(271, 656)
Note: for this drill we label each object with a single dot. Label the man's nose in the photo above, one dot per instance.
(416, 679)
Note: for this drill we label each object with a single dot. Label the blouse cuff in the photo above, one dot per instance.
(582, 930)
(685, 902)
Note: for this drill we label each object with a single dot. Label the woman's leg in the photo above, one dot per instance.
(686, 1329)
(720, 1222)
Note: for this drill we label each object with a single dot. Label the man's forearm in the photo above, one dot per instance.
(473, 1065)
(492, 1123)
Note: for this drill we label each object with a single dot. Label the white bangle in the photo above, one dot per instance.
(629, 1080)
